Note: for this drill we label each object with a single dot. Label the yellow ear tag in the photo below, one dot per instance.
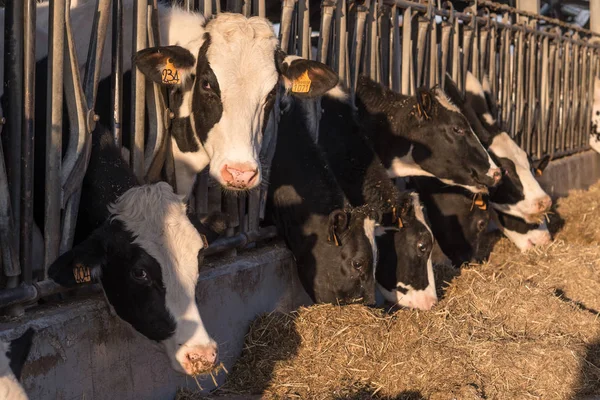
(538, 172)
(170, 75)
(82, 274)
(400, 223)
(302, 83)
(480, 203)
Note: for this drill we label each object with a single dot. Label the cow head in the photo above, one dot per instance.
(524, 235)
(147, 256)
(595, 134)
(424, 135)
(12, 358)
(519, 193)
(405, 270)
(351, 241)
(225, 84)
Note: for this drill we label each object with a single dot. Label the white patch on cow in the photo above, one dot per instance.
(420, 299)
(488, 119)
(188, 166)
(370, 226)
(406, 166)
(167, 234)
(526, 241)
(503, 146)
(443, 99)
(10, 388)
(338, 93)
(595, 134)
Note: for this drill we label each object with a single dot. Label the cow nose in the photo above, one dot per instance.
(496, 175)
(201, 359)
(240, 176)
(543, 204)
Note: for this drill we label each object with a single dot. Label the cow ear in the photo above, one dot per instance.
(212, 226)
(338, 223)
(82, 263)
(424, 104)
(167, 65)
(18, 352)
(305, 78)
(541, 165)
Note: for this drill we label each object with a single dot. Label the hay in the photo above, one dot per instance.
(519, 326)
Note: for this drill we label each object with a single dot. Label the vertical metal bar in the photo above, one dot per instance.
(422, 41)
(358, 40)
(433, 54)
(456, 53)
(116, 78)
(285, 29)
(325, 33)
(406, 47)
(446, 32)
(506, 77)
(574, 95)
(8, 253)
(13, 111)
(341, 43)
(566, 88)
(467, 45)
(556, 95)
(27, 141)
(532, 100)
(492, 71)
(396, 52)
(54, 133)
(544, 99)
(138, 88)
(304, 28)
(483, 51)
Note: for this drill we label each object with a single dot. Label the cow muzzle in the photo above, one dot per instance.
(240, 176)
(199, 360)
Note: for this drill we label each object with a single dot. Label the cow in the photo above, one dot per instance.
(145, 248)
(424, 135)
(519, 193)
(404, 270)
(12, 358)
(595, 134)
(333, 243)
(458, 219)
(221, 74)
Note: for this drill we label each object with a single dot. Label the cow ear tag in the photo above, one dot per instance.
(335, 239)
(82, 274)
(170, 75)
(538, 172)
(302, 83)
(480, 203)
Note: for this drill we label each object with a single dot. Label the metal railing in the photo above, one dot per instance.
(541, 73)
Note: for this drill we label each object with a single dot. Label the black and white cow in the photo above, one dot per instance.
(458, 220)
(595, 134)
(12, 358)
(141, 244)
(333, 243)
(519, 193)
(222, 74)
(404, 270)
(424, 135)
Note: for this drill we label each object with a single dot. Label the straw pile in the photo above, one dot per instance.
(519, 326)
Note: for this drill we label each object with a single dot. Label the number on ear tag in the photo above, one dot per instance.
(302, 83)
(170, 75)
(82, 274)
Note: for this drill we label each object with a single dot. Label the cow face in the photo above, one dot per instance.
(524, 235)
(405, 270)
(225, 92)
(519, 193)
(12, 358)
(425, 135)
(147, 256)
(351, 237)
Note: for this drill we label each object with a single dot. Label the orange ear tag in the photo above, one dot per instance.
(82, 274)
(302, 83)
(170, 75)
(538, 172)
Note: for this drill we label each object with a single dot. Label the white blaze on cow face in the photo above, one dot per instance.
(169, 237)
(420, 299)
(371, 226)
(536, 201)
(534, 237)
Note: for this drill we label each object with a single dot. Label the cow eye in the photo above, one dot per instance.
(422, 247)
(459, 131)
(481, 224)
(206, 85)
(597, 112)
(357, 265)
(140, 274)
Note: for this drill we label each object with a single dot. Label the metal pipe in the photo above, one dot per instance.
(138, 88)
(116, 78)
(13, 106)
(27, 141)
(54, 133)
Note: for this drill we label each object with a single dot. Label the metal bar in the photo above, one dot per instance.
(10, 257)
(456, 52)
(54, 133)
(406, 46)
(27, 141)
(138, 94)
(13, 106)
(341, 44)
(287, 12)
(116, 78)
(396, 51)
(358, 41)
(304, 28)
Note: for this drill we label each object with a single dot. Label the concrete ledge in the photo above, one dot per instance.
(578, 171)
(80, 351)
